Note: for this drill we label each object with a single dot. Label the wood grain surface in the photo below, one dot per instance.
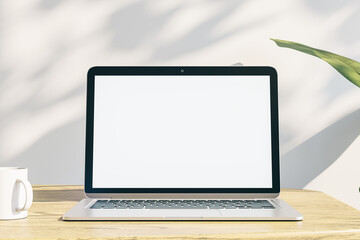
(324, 218)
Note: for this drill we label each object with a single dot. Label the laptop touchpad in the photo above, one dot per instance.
(175, 213)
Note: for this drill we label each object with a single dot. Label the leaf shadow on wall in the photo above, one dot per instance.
(306, 161)
(145, 29)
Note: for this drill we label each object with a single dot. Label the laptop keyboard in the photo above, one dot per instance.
(182, 204)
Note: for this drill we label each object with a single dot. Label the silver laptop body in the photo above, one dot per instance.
(182, 143)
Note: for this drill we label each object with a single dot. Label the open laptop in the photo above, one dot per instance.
(182, 143)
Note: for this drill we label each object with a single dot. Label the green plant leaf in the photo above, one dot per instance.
(347, 67)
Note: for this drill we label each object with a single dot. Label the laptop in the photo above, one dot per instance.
(182, 143)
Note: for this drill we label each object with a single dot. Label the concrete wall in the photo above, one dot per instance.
(46, 48)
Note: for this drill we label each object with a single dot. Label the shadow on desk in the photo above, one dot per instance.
(44, 193)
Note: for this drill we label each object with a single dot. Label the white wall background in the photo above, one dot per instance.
(46, 48)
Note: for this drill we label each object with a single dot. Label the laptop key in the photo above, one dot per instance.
(136, 207)
(230, 207)
(215, 207)
(268, 207)
(109, 206)
(121, 207)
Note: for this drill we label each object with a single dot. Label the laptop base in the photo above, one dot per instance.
(83, 212)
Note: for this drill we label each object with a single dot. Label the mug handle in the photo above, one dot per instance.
(29, 195)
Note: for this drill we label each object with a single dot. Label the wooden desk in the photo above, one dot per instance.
(324, 217)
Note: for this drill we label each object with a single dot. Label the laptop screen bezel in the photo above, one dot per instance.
(181, 71)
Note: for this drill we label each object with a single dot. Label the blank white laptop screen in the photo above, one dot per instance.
(182, 132)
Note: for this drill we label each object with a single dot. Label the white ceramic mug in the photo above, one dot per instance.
(16, 193)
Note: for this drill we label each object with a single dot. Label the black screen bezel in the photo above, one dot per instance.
(172, 71)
